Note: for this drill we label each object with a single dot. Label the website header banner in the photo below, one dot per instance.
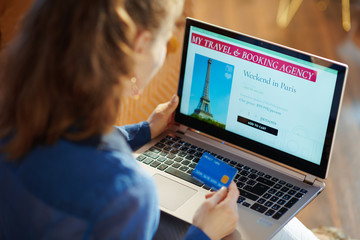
(255, 57)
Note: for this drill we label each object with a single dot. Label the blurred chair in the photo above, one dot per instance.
(288, 8)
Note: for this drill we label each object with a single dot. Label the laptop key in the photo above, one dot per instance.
(160, 145)
(176, 165)
(243, 179)
(205, 187)
(164, 153)
(185, 162)
(177, 145)
(167, 148)
(274, 199)
(246, 168)
(251, 182)
(169, 162)
(151, 154)
(281, 212)
(161, 159)
(183, 168)
(244, 173)
(241, 199)
(154, 149)
(240, 184)
(269, 212)
(291, 202)
(178, 159)
(182, 154)
(252, 176)
(183, 176)
(147, 161)
(140, 158)
(282, 182)
(286, 197)
(162, 167)
(155, 164)
(191, 151)
(259, 208)
(303, 191)
(276, 207)
(299, 195)
(248, 195)
(279, 194)
(226, 160)
(174, 151)
(192, 165)
(170, 155)
(265, 181)
(274, 179)
(258, 189)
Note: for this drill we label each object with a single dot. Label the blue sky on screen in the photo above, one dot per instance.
(221, 76)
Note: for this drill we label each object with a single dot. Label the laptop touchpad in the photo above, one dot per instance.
(172, 194)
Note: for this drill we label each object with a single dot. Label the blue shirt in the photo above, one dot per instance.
(93, 189)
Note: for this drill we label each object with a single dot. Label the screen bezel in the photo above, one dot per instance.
(248, 144)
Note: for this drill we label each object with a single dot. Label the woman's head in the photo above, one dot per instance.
(65, 72)
(154, 21)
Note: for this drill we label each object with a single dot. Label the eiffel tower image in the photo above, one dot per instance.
(203, 108)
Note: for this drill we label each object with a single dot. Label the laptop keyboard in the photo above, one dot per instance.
(259, 191)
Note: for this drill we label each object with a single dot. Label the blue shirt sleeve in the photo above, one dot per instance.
(136, 135)
(195, 233)
(132, 215)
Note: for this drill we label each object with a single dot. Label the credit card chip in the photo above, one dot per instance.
(225, 179)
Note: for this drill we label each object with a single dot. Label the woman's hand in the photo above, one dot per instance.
(161, 117)
(217, 217)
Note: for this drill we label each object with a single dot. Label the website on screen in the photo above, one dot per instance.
(266, 96)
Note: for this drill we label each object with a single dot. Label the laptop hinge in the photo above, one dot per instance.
(182, 129)
(309, 179)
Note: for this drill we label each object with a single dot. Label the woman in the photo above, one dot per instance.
(65, 171)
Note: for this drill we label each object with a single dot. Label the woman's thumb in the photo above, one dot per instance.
(173, 103)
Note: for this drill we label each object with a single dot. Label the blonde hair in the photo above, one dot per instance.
(59, 78)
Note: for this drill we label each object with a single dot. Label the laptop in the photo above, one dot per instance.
(268, 110)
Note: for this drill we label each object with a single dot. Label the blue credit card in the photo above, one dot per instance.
(213, 172)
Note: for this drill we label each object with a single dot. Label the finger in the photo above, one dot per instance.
(209, 195)
(218, 196)
(233, 193)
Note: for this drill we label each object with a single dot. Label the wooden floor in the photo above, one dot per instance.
(319, 32)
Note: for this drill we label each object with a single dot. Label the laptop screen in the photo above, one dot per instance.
(274, 101)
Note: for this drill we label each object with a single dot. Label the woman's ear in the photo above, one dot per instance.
(142, 42)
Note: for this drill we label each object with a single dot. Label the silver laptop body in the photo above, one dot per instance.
(266, 109)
